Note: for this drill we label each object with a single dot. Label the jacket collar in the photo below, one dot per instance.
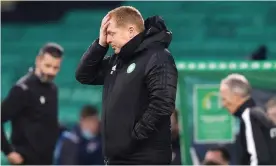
(129, 48)
(35, 78)
(247, 104)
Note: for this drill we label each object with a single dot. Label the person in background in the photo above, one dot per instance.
(82, 145)
(32, 108)
(217, 156)
(256, 139)
(259, 54)
(271, 109)
(176, 155)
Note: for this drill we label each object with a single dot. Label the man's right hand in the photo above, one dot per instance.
(103, 31)
(15, 158)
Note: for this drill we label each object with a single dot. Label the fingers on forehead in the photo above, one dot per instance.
(106, 17)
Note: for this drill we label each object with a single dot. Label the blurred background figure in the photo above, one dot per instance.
(217, 156)
(176, 155)
(259, 54)
(257, 144)
(271, 109)
(32, 108)
(82, 145)
(62, 128)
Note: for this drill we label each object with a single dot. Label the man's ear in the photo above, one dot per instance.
(131, 31)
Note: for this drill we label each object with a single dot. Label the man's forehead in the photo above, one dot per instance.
(213, 154)
(112, 24)
(47, 57)
(91, 118)
(224, 87)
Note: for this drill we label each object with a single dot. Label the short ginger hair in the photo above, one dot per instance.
(128, 15)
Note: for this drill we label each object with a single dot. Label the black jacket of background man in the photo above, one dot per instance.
(31, 106)
(138, 97)
(257, 139)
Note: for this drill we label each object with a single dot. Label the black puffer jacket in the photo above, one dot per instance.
(139, 95)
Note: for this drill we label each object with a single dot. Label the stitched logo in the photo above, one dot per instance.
(273, 133)
(42, 99)
(113, 69)
(131, 68)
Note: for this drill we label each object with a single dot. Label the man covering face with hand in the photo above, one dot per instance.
(140, 81)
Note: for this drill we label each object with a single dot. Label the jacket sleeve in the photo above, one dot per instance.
(161, 81)
(11, 106)
(68, 152)
(93, 66)
(257, 146)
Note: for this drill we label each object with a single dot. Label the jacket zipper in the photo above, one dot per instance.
(110, 87)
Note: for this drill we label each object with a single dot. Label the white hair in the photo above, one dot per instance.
(238, 84)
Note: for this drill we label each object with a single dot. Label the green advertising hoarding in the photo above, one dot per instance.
(212, 123)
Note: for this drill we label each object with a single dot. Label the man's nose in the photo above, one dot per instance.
(52, 71)
(108, 40)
